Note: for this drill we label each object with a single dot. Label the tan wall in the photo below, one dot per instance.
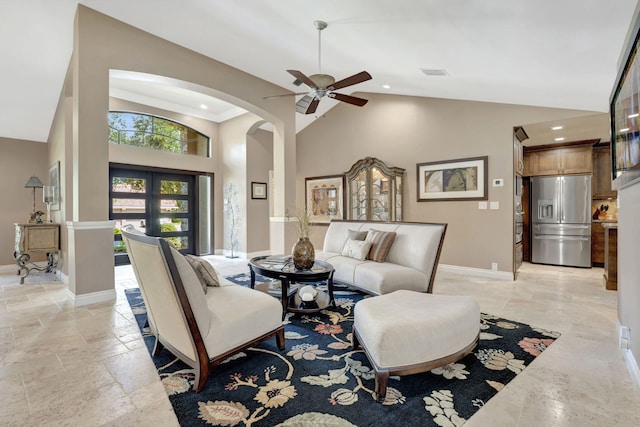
(403, 131)
(628, 266)
(259, 163)
(18, 161)
(100, 44)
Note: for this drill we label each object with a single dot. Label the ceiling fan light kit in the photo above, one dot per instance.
(323, 84)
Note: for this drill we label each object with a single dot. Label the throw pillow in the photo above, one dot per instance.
(357, 249)
(356, 235)
(381, 242)
(205, 272)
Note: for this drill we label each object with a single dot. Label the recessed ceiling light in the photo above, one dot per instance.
(631, 116)
(624, 130)
(557, 127)
(386, 86)
(559, 139)
(203, 106)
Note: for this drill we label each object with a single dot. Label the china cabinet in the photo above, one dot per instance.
(374, 191)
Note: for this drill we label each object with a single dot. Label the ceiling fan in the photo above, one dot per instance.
(323, 84)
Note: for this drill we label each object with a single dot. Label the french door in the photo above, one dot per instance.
(158, 203)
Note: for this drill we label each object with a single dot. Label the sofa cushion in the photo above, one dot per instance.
(356, 235)
(358, 249)
(383, 278)
(205, 271)
(252, 313)
(381, 242)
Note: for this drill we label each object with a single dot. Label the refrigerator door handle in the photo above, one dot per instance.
(548, 237)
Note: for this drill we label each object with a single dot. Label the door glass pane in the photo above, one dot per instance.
(128, 185)
(171, 225)
(205, 214)
(128, 205)
(122, 224)
(174, 187)
(379, 195)
(180, 242)
(174, 206)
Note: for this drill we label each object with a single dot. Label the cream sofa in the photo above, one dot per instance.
(410, 264)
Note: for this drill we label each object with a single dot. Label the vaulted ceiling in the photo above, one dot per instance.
(543, 53)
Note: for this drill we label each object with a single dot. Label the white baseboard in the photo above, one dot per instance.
(629, 358)
(476, 272)
(92, 298)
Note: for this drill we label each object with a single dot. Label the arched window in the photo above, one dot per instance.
(142, 130)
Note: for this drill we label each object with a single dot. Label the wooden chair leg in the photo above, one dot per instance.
(280, 339)
(381, 384)
(157, 347)
(201, 375)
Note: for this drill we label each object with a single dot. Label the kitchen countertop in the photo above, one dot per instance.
(610, 225)
(605, 220)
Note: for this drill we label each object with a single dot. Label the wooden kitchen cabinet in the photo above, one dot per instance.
(519, 136)
(597, 244)
(611, 257)
(518, 157)
(559, 161)
(601, 181)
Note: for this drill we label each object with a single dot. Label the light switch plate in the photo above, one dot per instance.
(495, 205)
(482, 205)
(498, 182)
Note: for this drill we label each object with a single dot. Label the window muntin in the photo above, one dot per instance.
(142, 130)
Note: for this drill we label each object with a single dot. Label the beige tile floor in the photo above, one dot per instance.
(87, 366)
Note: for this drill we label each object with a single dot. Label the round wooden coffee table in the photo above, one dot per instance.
(281, 267)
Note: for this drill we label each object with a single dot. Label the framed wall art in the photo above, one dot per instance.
(54, 181)
(324, 198)
(460, 179)
(625, 114)
(258, 190)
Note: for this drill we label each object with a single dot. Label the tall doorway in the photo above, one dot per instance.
(157, 202)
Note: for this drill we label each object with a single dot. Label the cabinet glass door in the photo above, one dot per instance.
(358, 190)
(375, 191)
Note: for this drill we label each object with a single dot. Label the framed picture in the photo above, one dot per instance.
(54, 181)
(625, 114)
(461, 179)
(258, 190)
(325, 198)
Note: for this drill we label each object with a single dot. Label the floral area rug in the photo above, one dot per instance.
(319, 380)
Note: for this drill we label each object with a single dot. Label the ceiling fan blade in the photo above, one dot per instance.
(307, 105)
(304, 79)
(284, 94)
(354, 100)
(355, 79)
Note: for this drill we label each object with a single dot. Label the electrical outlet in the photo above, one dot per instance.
(494, 266)
(495, 205)
(624, 341)
(482, 205)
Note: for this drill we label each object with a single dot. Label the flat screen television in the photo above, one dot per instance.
(625, 114)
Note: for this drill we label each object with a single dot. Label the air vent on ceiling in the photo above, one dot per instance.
(438, 72)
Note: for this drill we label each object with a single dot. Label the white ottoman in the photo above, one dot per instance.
(406, 332)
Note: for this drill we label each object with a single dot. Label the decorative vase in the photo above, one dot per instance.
(303, 254)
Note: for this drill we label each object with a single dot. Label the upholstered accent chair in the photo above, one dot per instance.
(200, 329)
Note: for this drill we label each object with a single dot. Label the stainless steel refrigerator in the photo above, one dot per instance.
(561, 220)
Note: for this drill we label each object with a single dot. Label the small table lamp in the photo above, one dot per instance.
(34, 183)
